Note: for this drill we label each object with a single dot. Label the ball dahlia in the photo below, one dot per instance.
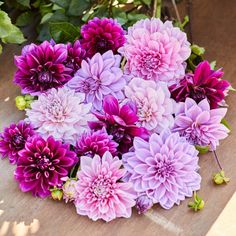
(165, 168)
(101, 35)
(199, 124)
(60, 113)
(204, 83)
(42, 164)
(95, 142)
(101, 194)
(99, 76)
(40, 67)
(155, 108)
(156, 50)
(13, 139)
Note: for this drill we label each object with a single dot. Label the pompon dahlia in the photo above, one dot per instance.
(199, 124)
(120, 122)
(155, 108)
(204, 83)
(101, 194)
(42, 164)
(60, 113)
(101, 35)
(40, 67)
(99, 76)
(156, 51)
(13, 139)
(165, 168)
(95, 142)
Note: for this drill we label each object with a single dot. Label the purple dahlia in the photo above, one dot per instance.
(40, 67)
(101, 35)
(120, 122)
(42, 164)
(95, 142)
(204, 83)
(13, 139)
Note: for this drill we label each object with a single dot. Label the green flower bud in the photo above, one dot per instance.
(220, 178)
(198, 203)
(29, 97)
(20, 103)
(56, 193)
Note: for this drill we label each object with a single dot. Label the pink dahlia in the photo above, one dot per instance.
(95, 142)
(99, 76)
(120, 122)
(155, 108)
(60, 113)
(40, 67)
(42, 164)
(199, 124)
(101, 194)
(101, 35)
(165, 168)
(13, 139)
(204, 83)
(156, 50)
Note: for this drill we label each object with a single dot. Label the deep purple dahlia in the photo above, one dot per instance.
(204, 83)
(40, 67)
(95, 142)
(13, 139)
(120, 122)
(42, 164)
(101, 35)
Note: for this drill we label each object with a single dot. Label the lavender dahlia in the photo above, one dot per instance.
(101, 35)
(42, 164)
(40, 67)
(13, 139)
(143, 203)
(199, 124)
(101, 194)
(165, 168)
(99, 76)
(204, 83)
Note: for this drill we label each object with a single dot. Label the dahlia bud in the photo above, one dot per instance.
(143, 204)
(198, 203)
(20, 103)
(56, 193)
(69, 191)
(220, 178)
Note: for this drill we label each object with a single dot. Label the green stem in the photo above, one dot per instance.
(176, 11)
(217, 160)
(157, 9)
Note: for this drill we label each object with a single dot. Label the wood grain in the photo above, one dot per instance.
(213, 24)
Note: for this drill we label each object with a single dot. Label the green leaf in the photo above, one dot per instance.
(62, 3)
(1, 3)
(135, 17)
(225, 123)
(147, 2)
(24, 19)
(63, 32)
(46, 17)
(0, 49)
(213, 65)
(25, 3)
(76, 8)
(120, 15)
(230, 88)
(202, 149)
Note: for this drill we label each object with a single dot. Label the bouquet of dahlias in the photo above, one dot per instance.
(116, 119)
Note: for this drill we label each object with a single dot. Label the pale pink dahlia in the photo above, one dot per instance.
(99, 76)
(156, 50)
(69, 190)
(60, 113)
(101, 194)
(155, 108)
(165, 168)
(199, 124)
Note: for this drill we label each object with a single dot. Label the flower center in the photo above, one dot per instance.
(198, 94)
(150, 61)
(45, 77)
(56, 110)
(117, 132)
(43, 162)
(90, 85)
(102, 45)
(164, 169)
(18, 140)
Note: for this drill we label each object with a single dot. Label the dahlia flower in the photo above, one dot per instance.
(69, 190)
(42, 164)
(101, 35)
(60, 113)
(204, 83)
(13, 139)
(95, 142)
(143, 203)
(199, 124)
(153, 102)
(156, 50)
(120, 122)
(99, 77)
(165, 168)
(40, 67)
(101, 194)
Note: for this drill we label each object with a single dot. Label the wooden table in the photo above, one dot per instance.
(213, 24)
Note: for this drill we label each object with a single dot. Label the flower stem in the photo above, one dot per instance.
(176, 11)
(157, 9)
(217, 160)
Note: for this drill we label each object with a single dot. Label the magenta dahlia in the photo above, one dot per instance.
(95, 142)
(204, 83)
(42, 164)
(101, 194)
(40, 67)
(120, 122)
(101, 35)
(165, 168)
(13, 139)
